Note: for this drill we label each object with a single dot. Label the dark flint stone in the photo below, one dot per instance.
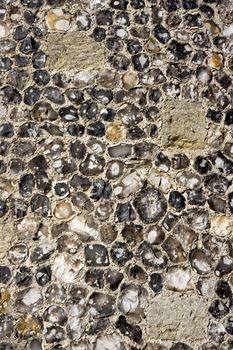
(5, 274)
(120, 253)
(96, 255)
(150, 204)
(134, 332)
(156, 282)
(218, 309)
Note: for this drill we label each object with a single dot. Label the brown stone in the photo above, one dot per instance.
(114, 132)
(212, 27)
(183, 125)
(216, 60)
(57, 21)
(74, 51)
(4, 299)
(186, 318)
(130, 80)
(63, 210)
(152, 46)
(28, 325)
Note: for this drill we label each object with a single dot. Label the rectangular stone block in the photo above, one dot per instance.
(74, 51)
(184, 125)
(6, 236)
(177, 317)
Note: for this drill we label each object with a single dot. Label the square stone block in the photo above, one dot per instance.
(184, 125)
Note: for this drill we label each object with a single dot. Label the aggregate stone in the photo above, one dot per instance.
(110, 341)
(132, 331)
(5, 274)
(6, 325)
(92, 165)
(54, 95)
(102, 304)
(113, 278)
(96, 255)
(156, 282)
(151, 205)
(38, 163)
(152, 256)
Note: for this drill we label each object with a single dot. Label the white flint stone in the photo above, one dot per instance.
(216, 331)
(82, 18)
(207, 287)
(95, 4)
(32, 296)
(189, 180)
(228, 31)
(57, 20)
(202, 265)
(178, 279)
(109, 342)
(65, 269)
(79, 225)
(128, 185)
(28, 227)
(3, 31)
(83, 78)
(204, 75)
(198, 219)
(160, 182)
(155, 235)
(3, 111)
(76, 310)
(75, 327)
(132, 300)
(221, 225)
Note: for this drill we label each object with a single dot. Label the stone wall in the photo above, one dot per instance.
(116, 163)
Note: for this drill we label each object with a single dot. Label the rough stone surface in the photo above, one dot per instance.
(6, 237)
(184, 125)
(116, 166)
(185, 318)
(79, 51)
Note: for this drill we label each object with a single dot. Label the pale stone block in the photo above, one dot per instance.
(184, 125)
(74, 51)
(177, 317)
(6, 236)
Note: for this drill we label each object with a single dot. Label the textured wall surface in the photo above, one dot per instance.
(79, 51)
(116, 163)
(186, 318)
